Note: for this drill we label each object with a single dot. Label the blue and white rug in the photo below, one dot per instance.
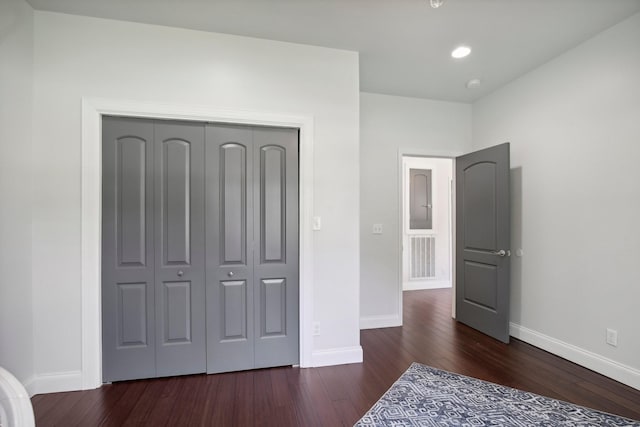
(426, 396)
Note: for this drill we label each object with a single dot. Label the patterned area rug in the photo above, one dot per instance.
(426, 396)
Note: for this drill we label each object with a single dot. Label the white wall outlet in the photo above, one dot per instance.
(519, 252)
(317, 223)
(377, 228)
(612, 337)
(316, 328)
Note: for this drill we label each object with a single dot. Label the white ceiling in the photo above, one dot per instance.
(404, 45)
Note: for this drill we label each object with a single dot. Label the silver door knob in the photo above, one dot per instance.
(230, 274)
(180, 273)
(502, 252)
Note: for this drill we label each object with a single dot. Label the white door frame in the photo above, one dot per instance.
(92, 111)
(434, 154)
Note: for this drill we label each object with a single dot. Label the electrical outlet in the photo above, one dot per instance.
(377, 228)
(316, 328)
(612, 337)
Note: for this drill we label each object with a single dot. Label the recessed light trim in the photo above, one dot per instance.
(461, 52)
(473, 83)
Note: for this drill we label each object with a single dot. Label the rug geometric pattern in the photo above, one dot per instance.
(426, 396)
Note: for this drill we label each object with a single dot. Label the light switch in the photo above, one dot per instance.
(317, 223)
(377, 228)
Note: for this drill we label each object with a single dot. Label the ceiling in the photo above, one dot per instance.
(404, 45)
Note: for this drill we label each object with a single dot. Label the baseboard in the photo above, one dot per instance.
(72, 381)
(600, 364)
(336, 356)
(426, 284)
(375, 322)
(54, 382)
(30, 385)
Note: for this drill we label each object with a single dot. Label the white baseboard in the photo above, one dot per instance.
(54, 382)
(72, 381)
(30, 385)
(336, 356)
(607, 367)
(375, 322)
(425, 284)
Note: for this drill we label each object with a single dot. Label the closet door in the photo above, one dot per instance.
(275, 254)
(128, 294)
(229, 213)
(179, 248)
(252, 247)
(153, 310)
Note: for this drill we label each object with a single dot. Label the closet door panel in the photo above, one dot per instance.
(275, 184)
(128, 326)
(229, 267)
(179, 248)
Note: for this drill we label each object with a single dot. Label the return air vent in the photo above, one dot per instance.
(422, 257)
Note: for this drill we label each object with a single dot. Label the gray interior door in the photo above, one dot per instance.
(152, 249)
(252, 247)
(483, 240)
(420, 199)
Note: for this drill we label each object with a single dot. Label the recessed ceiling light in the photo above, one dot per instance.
(461, 52)
(473, 83)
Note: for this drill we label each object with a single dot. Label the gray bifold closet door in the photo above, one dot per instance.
(199, 248)
(252, 247)
(153, 294)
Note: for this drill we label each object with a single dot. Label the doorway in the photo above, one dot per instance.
(427, 207)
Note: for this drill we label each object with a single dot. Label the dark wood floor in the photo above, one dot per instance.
(339, 395)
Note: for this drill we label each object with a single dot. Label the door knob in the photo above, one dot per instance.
(502, 252)
(230, 274)
(180, 273)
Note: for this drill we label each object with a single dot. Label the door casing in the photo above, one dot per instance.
(91, 179)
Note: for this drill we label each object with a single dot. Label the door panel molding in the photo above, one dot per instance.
(233, 168)
(132, 309)
(273, 299)
(92, 111)
(233, 294)
(131, 168)
(175, 196)
(272, 204)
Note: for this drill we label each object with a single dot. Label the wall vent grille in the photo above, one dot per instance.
(422, 257)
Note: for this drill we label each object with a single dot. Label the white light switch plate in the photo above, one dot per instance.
(317, 223)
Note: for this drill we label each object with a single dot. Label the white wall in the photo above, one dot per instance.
(389, 127)
(16, 81)
(79, 57)
(574, 128)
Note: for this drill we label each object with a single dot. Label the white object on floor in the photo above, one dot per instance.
(15, 404)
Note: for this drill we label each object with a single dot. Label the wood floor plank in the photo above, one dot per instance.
(339, 395)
